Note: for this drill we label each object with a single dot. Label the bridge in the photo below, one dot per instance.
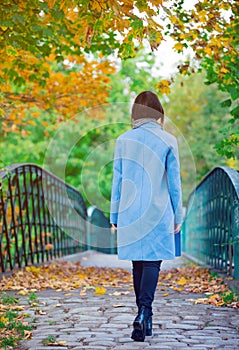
(43, 218)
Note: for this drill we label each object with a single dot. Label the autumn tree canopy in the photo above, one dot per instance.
(57, 54)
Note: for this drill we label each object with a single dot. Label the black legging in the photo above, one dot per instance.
(145, 279)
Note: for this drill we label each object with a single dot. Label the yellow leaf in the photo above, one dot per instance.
(208, 51)
(202, 15)
(31, 122)
(178, 289)
(178, 47)
(182, 281)
(225, 70)
(23, 292)
(100, 290)
(3, 319)
(163, 86)
(165, 294)
(173, 19)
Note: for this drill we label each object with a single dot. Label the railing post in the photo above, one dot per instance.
(88, 234)
(236, 237)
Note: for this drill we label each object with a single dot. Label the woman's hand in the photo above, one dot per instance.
(177, 228)
(114, 226)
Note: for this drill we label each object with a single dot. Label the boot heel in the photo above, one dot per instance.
(148, 327)
(139, 325)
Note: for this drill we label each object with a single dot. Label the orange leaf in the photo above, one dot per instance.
(49, 246)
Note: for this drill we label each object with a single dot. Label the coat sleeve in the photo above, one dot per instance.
(174, 181)
(116, 184)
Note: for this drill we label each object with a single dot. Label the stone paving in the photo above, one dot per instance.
(104, 322)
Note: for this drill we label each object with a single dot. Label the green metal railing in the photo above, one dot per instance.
(41, 217)
(211, 227)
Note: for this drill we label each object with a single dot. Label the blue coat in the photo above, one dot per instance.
(146, 193)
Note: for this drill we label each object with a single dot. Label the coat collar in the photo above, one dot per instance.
(151, 125)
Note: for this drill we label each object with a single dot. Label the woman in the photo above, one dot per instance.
(146, 202)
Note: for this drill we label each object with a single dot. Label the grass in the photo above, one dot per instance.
(12, 326)
(32, 297)
(50, 339)
(229, 297)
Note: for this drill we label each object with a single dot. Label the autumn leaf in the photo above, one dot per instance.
(48, 246)
(196, 279)
(178, 47)
(66, 276)
(23, 292)
(163, 86)
(27, 334)
(99, 290)
(182, 281)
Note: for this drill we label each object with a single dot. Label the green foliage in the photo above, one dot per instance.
(34, 32)
(88, 139)
(48, 340)
(210, 29)
(32, 297)
(8, 341)
(12, 328)
(196, 111)
(230, 297)
(8, 299)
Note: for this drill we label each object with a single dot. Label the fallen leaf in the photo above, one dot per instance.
(40, 312)
(23, 292)
(27, 334)
(182, 281)
(115, 294)
(49, 246)
(59, 343)
(100, 290)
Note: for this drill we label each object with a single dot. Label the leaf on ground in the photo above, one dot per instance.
(182, 281)
(99, 290)
(196, 279)
(64, 276)
(27, 334)
(57, 343)
(23, 292)
(67, 276)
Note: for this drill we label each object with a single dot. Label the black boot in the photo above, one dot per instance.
(149, 326)
(139, 325)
